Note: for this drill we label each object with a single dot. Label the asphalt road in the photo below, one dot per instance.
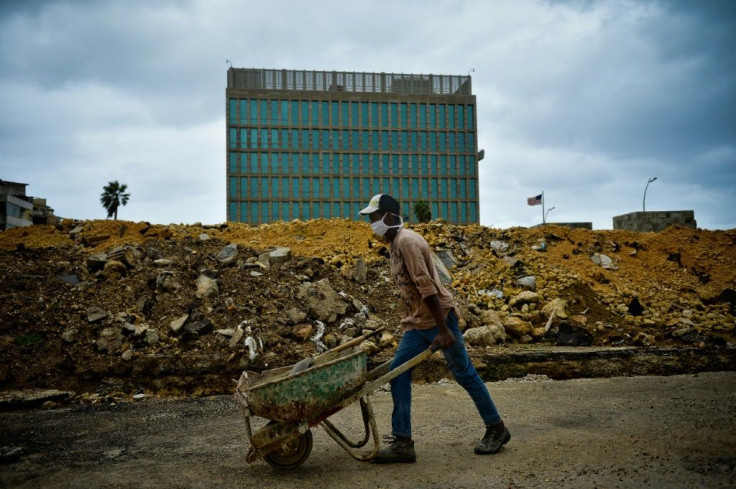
(624, 432)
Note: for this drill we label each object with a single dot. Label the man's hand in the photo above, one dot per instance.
(444, 339)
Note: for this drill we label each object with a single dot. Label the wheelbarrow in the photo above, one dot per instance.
(297, 398)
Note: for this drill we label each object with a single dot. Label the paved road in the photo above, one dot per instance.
(677, 431)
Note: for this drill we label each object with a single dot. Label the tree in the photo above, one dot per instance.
(422, 212)
(113, 196)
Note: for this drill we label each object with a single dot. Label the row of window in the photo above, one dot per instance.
(351, 164)
(349, 188)
(258, 212)
(350, 114)
(351, 140)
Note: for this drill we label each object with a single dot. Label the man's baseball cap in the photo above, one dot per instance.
(383, 202)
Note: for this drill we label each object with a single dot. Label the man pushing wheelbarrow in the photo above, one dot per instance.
(297, 398)
(431, 320)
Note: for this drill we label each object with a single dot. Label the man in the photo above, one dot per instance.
(431, 320)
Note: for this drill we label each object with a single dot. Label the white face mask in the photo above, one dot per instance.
(380, 228)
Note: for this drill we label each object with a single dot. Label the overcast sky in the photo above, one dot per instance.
(584, 100)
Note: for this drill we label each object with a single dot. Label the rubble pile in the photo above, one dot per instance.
(113, 308)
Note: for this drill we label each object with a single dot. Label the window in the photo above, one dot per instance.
(233, 193)
(253, 106)
(253, 142)
(243, 111)
(233, 159)
(441, 116)
(355, 109)
(402, 115)
(384, 141)
(263, 112)
(335, 116)
(394, 114)
(451, 116)
(422, 116)
(364, 114)
(232, 209)
(344, 107)
(460, 117)
(314, 108)
(244, 162)
(469, 115)
(432, 110)
(384, 114)
(453, 166)
(325, 113)
(233, 111)
(471, 188)
(264, 162)
(413, 115)
(233, 138)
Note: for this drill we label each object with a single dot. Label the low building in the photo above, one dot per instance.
(16, 210)
(654, 221)
(19, 210)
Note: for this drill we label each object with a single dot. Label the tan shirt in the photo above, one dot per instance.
(416, 276)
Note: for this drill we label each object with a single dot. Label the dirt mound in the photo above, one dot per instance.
(117, 307)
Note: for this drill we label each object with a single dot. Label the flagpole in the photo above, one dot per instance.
(542, 206)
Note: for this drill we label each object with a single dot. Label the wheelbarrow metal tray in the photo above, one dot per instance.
(287, 396)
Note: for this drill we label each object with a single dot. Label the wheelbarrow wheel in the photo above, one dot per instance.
(292, 454)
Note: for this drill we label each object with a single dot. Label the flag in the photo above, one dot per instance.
(535, 200)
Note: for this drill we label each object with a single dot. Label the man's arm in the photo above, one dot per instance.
(444, 338)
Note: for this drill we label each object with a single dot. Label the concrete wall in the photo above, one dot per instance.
(572, 225)
(654, 220)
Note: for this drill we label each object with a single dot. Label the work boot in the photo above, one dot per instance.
(496, 436)
(398, 451)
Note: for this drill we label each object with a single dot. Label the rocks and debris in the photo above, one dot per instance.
(157, 305)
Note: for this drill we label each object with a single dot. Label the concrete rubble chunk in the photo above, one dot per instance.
(517, 327)
(485, 335)
(500, 247)
(442, 271)
(321, 301)
(197, 328)
(603, 261)
(228, 255)
(528, 283)
(177, 324)
(206, 287)
(360, 271)
(95, 314)
(163, 262)
(110, 340)
(166, 281)
(525, 297)
(558, 307)
(96, 262)
(28, 398)
(114, 268)
(279, 255)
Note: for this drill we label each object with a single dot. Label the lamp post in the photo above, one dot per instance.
(644, 201)
(546, 213)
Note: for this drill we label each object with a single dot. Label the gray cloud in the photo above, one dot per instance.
(582, 99)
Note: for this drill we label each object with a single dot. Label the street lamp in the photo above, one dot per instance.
(545, 214)
(644, 202)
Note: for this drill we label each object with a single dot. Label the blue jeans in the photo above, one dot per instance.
(414, 342)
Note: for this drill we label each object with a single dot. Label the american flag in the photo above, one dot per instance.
(535, 200)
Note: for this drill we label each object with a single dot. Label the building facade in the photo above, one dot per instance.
(16, 210)
(310, 144)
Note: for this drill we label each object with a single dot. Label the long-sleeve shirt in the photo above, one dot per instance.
(415, 275)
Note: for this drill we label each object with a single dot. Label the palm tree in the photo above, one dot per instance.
(422, 212)
(113, 196)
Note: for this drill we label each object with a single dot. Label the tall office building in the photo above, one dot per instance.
(309, 144)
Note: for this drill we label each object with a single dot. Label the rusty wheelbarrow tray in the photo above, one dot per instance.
(297, 398)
